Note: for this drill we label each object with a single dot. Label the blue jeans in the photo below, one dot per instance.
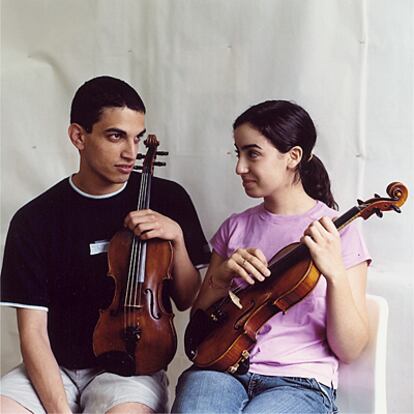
(201, 391)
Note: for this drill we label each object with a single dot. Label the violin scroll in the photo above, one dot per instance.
(398, 193)
(149, 159)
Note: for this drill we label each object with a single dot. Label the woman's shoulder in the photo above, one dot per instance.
(321, 210)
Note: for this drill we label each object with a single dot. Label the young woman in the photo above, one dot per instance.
(294, 364)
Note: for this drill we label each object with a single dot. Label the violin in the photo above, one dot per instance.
(135, 335)
(221, 337)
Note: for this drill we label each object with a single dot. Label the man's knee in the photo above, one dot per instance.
(130, 408)
(10, 406)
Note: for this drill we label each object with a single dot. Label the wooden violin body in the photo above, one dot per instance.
(221, 337)
(135, 335)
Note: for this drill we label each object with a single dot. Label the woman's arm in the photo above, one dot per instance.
(347, 319)
(39, 360)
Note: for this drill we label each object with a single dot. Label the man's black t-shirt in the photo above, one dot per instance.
(55, 256)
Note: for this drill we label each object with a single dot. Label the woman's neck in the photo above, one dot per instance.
(289, 201)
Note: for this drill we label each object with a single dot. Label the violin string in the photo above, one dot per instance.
(140, 266)
(130, 283)
(130, 297)
(143, 244)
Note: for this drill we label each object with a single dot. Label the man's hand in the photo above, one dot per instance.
(148, 224)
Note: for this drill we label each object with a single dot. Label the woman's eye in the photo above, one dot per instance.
(237, 153)
(253, 154)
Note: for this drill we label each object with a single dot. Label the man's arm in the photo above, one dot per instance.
(186, 278)
(39, 360)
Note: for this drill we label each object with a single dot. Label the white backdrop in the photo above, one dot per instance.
(198, 64)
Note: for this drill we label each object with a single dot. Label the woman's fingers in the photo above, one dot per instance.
(250, 264)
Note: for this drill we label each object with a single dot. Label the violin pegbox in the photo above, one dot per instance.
(398, 194)
(149, 159)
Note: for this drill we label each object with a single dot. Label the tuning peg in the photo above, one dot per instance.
(395, 208)
(360, 202)
(140, 156)
(160, 163)
(377, 195)
(137, 168)
(378, 212)
(162, 153)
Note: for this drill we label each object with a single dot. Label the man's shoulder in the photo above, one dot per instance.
(164, 183)
(50, 198)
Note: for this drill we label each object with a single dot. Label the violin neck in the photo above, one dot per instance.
(144, 191)
(301, 251)
(347, 218)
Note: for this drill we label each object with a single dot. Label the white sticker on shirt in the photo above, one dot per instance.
(100, 246)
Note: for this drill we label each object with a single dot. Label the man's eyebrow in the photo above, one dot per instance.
(142, 133)
(116, 130)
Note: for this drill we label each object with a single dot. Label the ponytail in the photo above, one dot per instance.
(316, 182)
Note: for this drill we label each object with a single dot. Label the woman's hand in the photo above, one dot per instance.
(250, 264)
(148, 224)
(324, 243)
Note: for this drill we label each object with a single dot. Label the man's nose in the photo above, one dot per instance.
(130, 149)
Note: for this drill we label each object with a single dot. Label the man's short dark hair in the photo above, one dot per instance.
(99, 93)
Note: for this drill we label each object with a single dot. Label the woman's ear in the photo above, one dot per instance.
(295, 156)
(77, 136)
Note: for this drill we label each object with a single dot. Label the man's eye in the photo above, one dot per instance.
(115, 136)
(237, 153)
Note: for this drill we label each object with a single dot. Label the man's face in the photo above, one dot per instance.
(109, 151)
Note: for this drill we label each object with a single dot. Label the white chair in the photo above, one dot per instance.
(362, 383)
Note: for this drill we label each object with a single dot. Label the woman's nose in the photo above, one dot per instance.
(241, 167)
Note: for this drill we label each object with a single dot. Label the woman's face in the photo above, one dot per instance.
(264, 170)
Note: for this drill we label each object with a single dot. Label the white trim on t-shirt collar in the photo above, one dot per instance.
(96, 197)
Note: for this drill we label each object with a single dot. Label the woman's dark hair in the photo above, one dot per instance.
(287, 125)
(99, 93)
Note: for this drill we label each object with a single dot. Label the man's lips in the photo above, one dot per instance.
(124, 168)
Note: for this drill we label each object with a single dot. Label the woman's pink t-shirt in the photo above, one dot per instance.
(293, 344)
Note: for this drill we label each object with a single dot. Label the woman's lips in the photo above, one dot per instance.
(248, 182)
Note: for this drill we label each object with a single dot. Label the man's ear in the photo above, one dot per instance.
(295, 156)
(77, 136)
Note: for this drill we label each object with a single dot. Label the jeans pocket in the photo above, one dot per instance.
(329, 395)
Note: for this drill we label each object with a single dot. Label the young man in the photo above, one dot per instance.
(55, 262)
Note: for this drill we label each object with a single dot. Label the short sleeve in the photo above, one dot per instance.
(23, 275)
(354, 249)
(195, 241)
(220, 240)
(172, 200)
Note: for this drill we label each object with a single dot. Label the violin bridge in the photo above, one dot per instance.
(235, 299)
